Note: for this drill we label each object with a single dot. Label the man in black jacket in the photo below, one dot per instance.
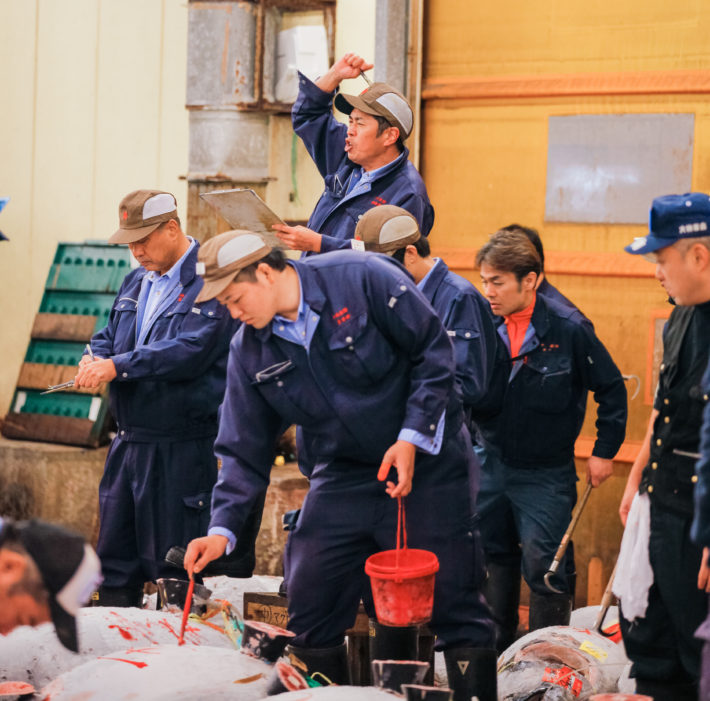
(660, 640)
(552, 358)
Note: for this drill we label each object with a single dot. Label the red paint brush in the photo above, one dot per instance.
(186, 610)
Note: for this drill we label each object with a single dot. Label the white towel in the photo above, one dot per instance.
(634, 575)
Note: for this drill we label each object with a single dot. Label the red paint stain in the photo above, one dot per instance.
(140, 665)
(7, 688)
(123, 632)
(168, 627)
(137, 629)
(188, 629)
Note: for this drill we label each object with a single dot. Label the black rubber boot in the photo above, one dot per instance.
(472, 672)
(325, 665)
(393, 643)
(502, 592)
(549, 610)
(118, 596)
(667, 690)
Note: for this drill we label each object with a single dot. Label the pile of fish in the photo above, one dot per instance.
(34, 655)
(116, 643)
(164, 672)
(130, 653)
(560, 663)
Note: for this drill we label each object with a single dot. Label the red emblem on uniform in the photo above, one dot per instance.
(124, 216)
(378, 201)
(181, 296)
(342, 316)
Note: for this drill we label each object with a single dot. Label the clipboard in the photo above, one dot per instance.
(242, 208)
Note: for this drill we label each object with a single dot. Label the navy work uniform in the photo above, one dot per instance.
(528, 473)
(349, 191)
(701, 522)
(371, 360)
(661, 645)
(467, 317)
(160, 468)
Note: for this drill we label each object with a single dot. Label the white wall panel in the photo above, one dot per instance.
(92, 106)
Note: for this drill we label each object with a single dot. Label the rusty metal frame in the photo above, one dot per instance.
(261, 104)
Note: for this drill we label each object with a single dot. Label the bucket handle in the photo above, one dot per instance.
(401, 531)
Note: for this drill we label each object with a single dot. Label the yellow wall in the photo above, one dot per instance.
(564, 36)
(93, 96)
(484, 159)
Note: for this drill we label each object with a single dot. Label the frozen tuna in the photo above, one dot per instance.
(560, 663)
(35, 655)
(162, 673)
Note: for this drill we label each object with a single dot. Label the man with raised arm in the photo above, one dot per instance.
(363, 165)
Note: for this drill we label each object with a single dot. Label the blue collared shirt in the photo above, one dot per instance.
(361, 181)
(157, 291)
(422, 282)
(301, 329)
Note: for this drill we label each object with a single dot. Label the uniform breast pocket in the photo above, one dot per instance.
(547, 384)
(361, 353)
(124, 313)
(278, 384)
(463, 338)
(169, 324)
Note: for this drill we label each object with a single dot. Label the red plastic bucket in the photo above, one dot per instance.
(402, 581)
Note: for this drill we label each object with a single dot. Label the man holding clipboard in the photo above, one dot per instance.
(363, 165)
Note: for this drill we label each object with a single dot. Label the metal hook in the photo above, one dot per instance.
(638, 384)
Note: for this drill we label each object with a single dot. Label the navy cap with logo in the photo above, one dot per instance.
(672, 218)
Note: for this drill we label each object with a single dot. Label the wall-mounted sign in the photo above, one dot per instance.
(608, 168)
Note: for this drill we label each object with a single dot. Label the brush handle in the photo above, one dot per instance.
(186, 610)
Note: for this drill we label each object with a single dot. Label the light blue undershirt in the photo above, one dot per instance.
(422, 282)
(157, 291)
(361, 180)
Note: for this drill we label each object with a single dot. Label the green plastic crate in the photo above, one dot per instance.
(71, 302)
(77, 406)
(54, 352)
(83, 280)
(88, 267)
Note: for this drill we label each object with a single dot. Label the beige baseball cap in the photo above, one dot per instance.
(141, 212)
(384, 101)
(386, 229)
(221, 258)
